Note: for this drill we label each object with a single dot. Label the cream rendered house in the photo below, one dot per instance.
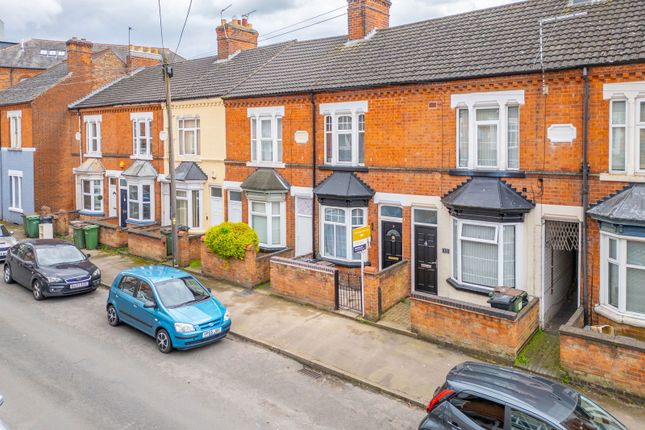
(199, 140)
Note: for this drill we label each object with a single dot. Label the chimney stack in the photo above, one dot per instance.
(79, 55)
(363, 16)
(237, 35)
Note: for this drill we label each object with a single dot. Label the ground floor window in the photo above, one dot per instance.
(92, 195)
(189, 208)
(485, 254)
(15, 190)
(267, 221)
(141, 201)
(337, 226)
(623, 273)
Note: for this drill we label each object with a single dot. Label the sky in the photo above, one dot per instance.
(107, 21)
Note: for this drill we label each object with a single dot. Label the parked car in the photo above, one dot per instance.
(168, 304)
(50, 267)
(3, 425)
(6, 241)
(479, 396)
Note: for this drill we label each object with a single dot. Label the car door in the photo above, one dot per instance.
(521, 420)
(469, 411)
(15, 261)
(124, 299)
(28, 264)
(19, 268)
(146, 317)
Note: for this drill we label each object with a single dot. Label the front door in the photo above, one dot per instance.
(425, 259)
(304, 214)
(217, 206)
(391, 243)
(112, 197)
(124, 207)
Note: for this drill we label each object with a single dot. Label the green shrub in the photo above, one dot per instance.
(230, 239)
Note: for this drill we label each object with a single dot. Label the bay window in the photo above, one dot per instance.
(344, 126)
(141, 135)
(488, 130)
(266, 135)
(485, 254)
(623, 274)
(140, 201)
(92, 135)
(92, 195)
(189, 136)
(189, 208)
(337, 226)
(267, 219)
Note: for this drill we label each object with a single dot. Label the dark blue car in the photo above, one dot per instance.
(168, 304)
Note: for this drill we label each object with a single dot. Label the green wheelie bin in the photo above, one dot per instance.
(79, 235)
(91, 236)
(32, 222)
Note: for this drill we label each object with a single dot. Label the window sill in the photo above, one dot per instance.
(272, 248)
(615, 315)
(93, 155)
(337, 168)
(91, 213)
(16, 149)
(138, 222)
(622, 177)
(266, 164)
(488, 173)
(469, 287)
(188, 157)
(16, 210)
(344, 263)
(141, 157)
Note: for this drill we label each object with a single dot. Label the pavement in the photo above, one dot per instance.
(367, 355)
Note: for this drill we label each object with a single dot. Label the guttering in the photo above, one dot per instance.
(585, 194)
(313, 174)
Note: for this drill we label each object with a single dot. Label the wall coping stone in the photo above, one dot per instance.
(385, 271)
(471, 307)
(268, 255)
(614, 341)
(303, 265)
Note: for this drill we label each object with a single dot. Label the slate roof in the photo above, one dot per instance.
(343, 185)
(29, 89)
(200, 78)
(487, 194)
(493, 41)
(189, 171)
(626, 207)
(91, 165)
(265, 180)
(140, 169)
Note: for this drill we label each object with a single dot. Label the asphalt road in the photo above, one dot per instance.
(63, 367)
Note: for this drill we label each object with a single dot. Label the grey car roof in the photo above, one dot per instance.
(527, 391)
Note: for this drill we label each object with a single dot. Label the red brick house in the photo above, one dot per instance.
(465, 157)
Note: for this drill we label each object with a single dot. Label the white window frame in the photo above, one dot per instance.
(15, 128)
(92, 194)
(183, 131)
(621, 261)
(331, 113)
(139, 200)
(633, 94)
(498, 241)
(15, 199)
(471, 102)
(138, 118)
(275, 115)
(268, 213)
(190, 189)
(349, 226)
(92, 141)
(233, 204)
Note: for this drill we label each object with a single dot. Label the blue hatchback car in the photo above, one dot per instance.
(168, 304)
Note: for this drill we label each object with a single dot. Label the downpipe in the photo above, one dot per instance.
(585, 196)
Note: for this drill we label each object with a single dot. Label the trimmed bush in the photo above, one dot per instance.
(230, 240)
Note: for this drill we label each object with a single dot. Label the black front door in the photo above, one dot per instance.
(124, 206)
(391, 243)
(425, 259)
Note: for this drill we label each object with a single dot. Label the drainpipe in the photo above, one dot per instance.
(313, 175)
(80, 141)
(585, 195)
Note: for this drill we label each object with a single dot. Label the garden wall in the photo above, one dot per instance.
(147, 244)
(393, 284)
(305, 282)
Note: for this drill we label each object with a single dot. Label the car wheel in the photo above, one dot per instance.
(112, 316)
(7, 274)
(163, 341)
(37, 290)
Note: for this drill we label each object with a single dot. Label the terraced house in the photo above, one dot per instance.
(471, 144)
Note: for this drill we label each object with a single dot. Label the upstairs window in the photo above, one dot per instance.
(344, 133)
(266, 135)
(15, 128)
(141, 135)
(92, 135)
(488, 130)
(189, 136)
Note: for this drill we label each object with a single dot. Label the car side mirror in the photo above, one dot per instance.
(88, 255)
(149, 304)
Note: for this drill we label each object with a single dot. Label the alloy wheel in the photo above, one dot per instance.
(37, 290)
(163, 341)
(113, 318)
(7, 274)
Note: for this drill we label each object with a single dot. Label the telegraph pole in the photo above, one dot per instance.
(167, 74)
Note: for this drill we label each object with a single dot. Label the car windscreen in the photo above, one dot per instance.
(53, 255)
(589, 416)
(181, 291)
(3, 231)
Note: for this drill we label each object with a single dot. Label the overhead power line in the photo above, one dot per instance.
(304, 26)
(190, 5)
(303, 21)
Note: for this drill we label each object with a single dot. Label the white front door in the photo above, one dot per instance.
(165, 203)
(304, 214)
(217, 206)
(112, 197)
(234, 206)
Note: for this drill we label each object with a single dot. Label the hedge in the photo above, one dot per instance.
(230, 239)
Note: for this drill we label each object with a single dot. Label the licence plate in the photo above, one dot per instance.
(79, 285)
(3, 253)
(212, 332)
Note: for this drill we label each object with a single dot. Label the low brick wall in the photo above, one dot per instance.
(305, 282)
(147, 244)
(476, 328)
(62, 222)
(621, 329)
(110, 232)
(613, 362)
(393, 283)
(254, 270)
(189, 247)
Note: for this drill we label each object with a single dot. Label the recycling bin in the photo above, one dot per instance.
(91, 236)
(508, 299)
(32, 222)
(79, 235)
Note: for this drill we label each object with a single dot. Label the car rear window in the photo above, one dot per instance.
(484, 412)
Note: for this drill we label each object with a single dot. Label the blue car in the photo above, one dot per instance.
(168, 304)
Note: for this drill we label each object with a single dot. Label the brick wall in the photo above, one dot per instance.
(613, 362)
(189, 247)
(147, 244)
(10, 76)
(305, 282)
(110, 232)
(394, 284)
(472, 327)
